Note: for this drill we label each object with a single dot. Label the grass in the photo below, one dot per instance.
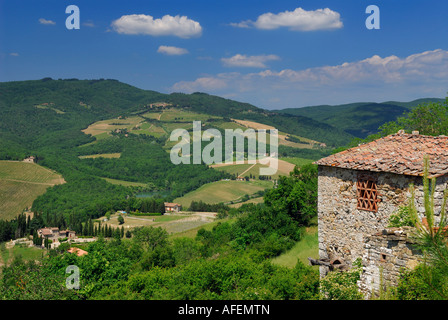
(101, 155)
(300, 162)
(236, 169)
(191, 233)
(26, 253)
(184, 116)
(246, 170)
(102, 128)
(54, 109)
(125, 183)
(21, 183)
(4, 253)
(182, 226)
(28, 172)
(178, 224)
(253, 200)
(223, 191)
(152, 115)
(308, 246)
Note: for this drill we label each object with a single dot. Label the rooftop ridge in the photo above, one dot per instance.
(400, 153)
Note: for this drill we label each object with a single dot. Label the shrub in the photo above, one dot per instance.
(343, 285)
(402, 218)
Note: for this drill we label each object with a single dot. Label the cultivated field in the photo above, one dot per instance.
(281, 135)
(173, 223)
(246, 170)
(223, 191)
(21, 183)
(106, 126)
(125, 183)
(102, 155)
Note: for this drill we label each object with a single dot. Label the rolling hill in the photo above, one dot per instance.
(109, 140)
(358, 119)
(32, 111)
(21, 183)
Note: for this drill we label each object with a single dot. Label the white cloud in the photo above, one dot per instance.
(14, 54)
(89, 24)
(297, 20)
(240, 60)
(201, 84)
(45, 21)
(372, 79)
(179, 26)
(172, 51)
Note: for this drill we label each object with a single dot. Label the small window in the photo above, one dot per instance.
(367, 193)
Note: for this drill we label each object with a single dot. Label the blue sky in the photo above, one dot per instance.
(273, 54)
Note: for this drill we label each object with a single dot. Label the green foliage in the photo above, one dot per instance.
(403, 217)
(424, 282)
(430, 279)
(296, 195)
(226, 278)
(33, 281)
(338, 285)
(149, 237)
(201, 206)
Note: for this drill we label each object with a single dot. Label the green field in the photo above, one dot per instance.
(125, 183)
(101, 155)
(308, 246)
(20, 184)
(223, 191)
(253, 200)
(236, 169)
(191, 233)
(248, 170)
(297, 161)
(184, 116)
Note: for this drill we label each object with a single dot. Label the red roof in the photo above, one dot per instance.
(77, 251)
(169, 204)
(399, 153)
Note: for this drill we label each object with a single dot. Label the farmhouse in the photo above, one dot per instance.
(359, 189)
(55, 233)
(172, 207)
(29, 159)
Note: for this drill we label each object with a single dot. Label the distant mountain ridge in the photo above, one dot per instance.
(31, 112)
(358, 119)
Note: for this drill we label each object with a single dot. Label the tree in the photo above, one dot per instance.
(296, 195)
(120, 220)
(150, 237)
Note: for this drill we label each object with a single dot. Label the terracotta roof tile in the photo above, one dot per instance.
(399, 153)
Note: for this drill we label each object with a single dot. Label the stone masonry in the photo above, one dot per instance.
(386, 254)
(347, 232)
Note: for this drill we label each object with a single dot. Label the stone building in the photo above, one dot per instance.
(360, 188)
(172, 207)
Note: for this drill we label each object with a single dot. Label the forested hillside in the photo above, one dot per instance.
(358, 119)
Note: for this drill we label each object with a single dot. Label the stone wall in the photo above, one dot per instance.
(343, 227)
(385, 255)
